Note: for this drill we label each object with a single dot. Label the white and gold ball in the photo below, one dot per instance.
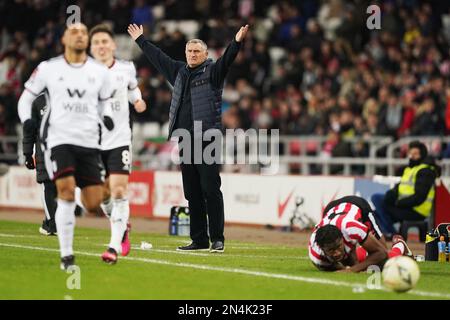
(401, 274)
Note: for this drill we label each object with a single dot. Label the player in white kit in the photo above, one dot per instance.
(75, 86)
(116, 144)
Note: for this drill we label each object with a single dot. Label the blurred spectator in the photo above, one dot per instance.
(2, 119)
(391, 115)
(427, 122)
(142, 14)
(10, 72)
(121, 15)
(331, 16)
(309, 67)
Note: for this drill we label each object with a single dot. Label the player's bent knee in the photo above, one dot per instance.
(92, 197)
(66, 192)
(91, 208)
(119, 192)
(92, 205)
(67, 196)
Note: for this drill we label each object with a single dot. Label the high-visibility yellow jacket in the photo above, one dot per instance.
(406, 189)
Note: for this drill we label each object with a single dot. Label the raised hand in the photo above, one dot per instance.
(135, 31)
(240, 35)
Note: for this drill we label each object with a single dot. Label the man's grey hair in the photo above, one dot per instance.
(202, 43)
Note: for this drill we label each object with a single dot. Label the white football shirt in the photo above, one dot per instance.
(74, 93)
(123, 81)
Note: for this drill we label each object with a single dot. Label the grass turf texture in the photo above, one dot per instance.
(29, 269)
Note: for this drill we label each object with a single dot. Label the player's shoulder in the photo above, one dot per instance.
(353, 225)
(124, 64)
(97, 67)
(92, 63)
(57, 59)
(50, 63)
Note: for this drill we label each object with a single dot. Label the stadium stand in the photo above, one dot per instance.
(309, 68)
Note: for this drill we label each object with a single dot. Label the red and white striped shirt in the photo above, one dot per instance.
(347, 218)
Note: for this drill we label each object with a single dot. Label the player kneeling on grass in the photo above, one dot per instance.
(116, 144)
(348, 238)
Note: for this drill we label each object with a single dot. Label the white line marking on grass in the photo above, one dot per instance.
(230, 246)
(202, 254)
(178, 241)
(226, 255)
(238, 271)
(233, 245)
(7, 235)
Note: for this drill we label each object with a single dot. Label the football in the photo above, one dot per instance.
(401, 274)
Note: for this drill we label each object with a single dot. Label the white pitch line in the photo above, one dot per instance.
(180, 252)
(226, 255)
(234, 245)
(239, 271)
(202, 254)
(7, 235)
(228, 246)
(178, 241)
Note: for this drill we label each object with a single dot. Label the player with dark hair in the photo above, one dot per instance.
(348, 238)
(75, 87)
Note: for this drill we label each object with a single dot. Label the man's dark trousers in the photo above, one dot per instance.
(201, 183)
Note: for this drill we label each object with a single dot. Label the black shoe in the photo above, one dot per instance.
(193, 246)
(67, 262)
(52, 228)
(217, 246)
(48, 228)
(45, 228)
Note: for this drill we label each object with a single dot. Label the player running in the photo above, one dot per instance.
(116, 144)
(74, 85)
(349, 239)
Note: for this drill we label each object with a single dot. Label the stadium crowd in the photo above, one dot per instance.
(308, 67)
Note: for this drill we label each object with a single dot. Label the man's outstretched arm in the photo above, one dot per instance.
(222, 65)
(162, 62)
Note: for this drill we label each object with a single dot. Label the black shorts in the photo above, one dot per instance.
(82, 163)
(117, 161)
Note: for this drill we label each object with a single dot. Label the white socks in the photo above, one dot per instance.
(107, 207)
(400, 246)
(119, 218)
(119, 210)
(65, 224)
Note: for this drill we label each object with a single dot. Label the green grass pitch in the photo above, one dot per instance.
(29, 269)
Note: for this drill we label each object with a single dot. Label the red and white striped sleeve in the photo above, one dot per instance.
(355, 231)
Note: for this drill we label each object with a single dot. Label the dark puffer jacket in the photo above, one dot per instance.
(197, 92)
